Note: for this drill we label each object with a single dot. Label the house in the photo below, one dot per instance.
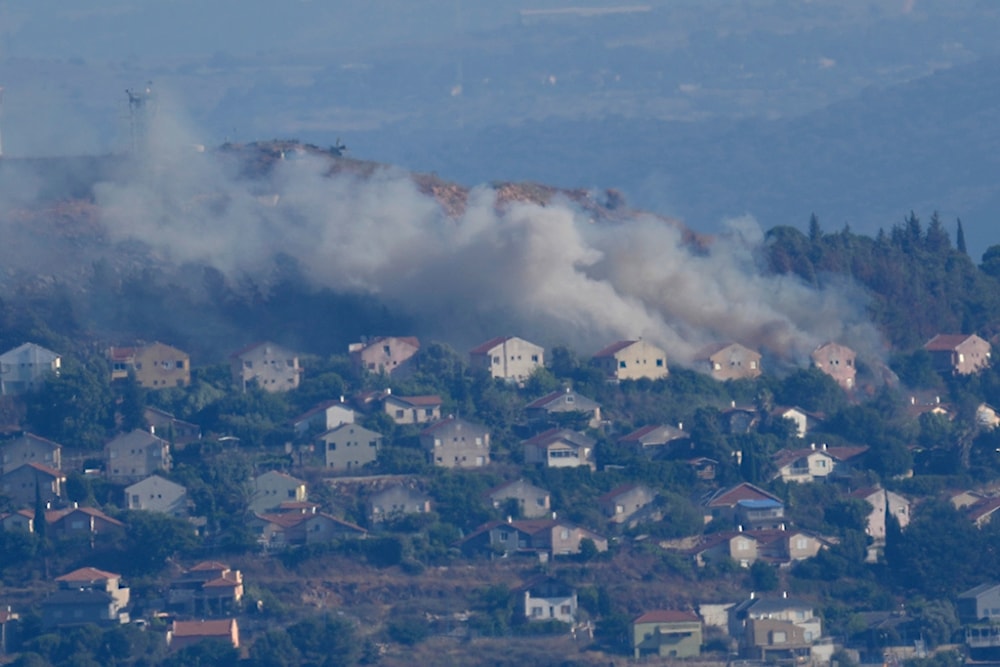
(282, 529)
(797, 612)
(546, 598)
(812, 463)
(543, 537)
(738, 419)
(805, 421)
(175, 431)
(625, 502)
(273, 488)
(28, 448)
(667, 633)
(560, 448)
(981, 603)
(728, 361)
(508, 358)
(982, 513)
(86, 595)
(397, 501)
(704, 467)
(75, 521)
(412, 409)
(385, 354)
(632, 360)
(30, 482)
(773, 641)
(724, 502)
(562, 405)
(456, 443)
(323, 417)
(266, 366)
(154, 365)
(532, 502)
(775, 546)
(209, 587)
(26, 367)
(22, 520)
(187, 633)
(654, 440)
(349, 446)
(760, 514)
(133, 456)
(837, 361)
(156, 494)
(883, 501)
(958, 354)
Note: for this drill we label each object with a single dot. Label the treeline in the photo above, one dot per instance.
(919, 283)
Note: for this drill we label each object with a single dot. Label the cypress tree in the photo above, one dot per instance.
(960, 239)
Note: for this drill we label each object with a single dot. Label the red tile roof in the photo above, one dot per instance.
(418, 401)
(88, 574)
(945, 342)
(614, 348)
(668, 616)
(745, 491)
(215, 628)
(484, 348)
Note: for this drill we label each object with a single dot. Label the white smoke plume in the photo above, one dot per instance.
(547, 273)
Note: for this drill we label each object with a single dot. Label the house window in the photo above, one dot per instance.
(778, 638)
(564, 534)
(428, 412)
(503, 536)
(534, 358)
(536, 612)
(621, 364)
(659, 363)
(399, 414)
(565, 610)
(753, 364)
(291, 493)
(717, 366)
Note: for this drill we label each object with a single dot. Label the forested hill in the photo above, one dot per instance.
(920, 283)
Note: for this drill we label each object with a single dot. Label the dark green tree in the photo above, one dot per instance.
(960, 239)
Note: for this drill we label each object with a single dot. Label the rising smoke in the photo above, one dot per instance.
(548, 273)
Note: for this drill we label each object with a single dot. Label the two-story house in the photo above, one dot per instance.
(349, 446)
(632, 360)
(392, 355)
(728, 361)
(30, 482)
(26, 367)
(273, 488)
(133, 456)
(559, 448)
(530, 501)
(563, 406)
(454, 442)
(837, 361)
(883, 502)
(208, 588)
(157, 494)
(175, 431)
(29, 448)
(626, 502)
(546, 598)
(958, 354)
(804, 420)
(412, 409)
(655, 440)
(267, 366)
(724, 503)
(86, 595)
(813, 463)
(508, 358)
(155, 365)
(667, 633)
(322, 417)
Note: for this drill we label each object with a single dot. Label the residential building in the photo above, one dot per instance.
(266, 366)
(543, 537)
(774, 641)
(273, 488)
(155, 365)
(626, 502)
(412, 409)
(76, 521)
(548, 599)
(728, 361)
(883, 501)
(508, 358)
(812, 463)
(564, 405)
(133, 456)
(349, 446)
(632, 360)
(837, 361)
(531, 501)
(981, 603)
(187, 633)
(22, 520)
(560, 448)
(86, 595)
(656, 440)
(175, 431)
(26, 367)
(323, 417)
(29, 448)
(208, 588)
(283, 529)
(760, 514)
(958, 354)
(667, 633)
(30, 482)
(805, 421)
(724, 502)
(397, 501)
(456, 443)
(392, 355)
(156, 494)
(799, 613)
